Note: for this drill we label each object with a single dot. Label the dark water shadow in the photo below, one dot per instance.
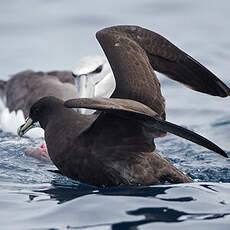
(153, 215)
(163, 214)
(67, 192)
(144, 215)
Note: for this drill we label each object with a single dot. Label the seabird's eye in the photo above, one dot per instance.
(98, 69)
(74, 75)
(35, 111)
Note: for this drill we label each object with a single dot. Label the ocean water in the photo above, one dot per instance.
(49, 35)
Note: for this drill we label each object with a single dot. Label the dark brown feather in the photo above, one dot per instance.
(116, 146)
(139, 112)
(135, 79)
(102, 149)
(163, 56)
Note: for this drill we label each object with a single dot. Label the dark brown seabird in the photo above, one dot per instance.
(116, 146)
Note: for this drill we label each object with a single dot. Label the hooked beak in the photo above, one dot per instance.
(29, 124)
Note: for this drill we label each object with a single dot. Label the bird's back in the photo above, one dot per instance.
(25, 88)
(124, 149)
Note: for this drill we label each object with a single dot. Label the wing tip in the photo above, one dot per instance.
(224, 89)
(221, 152)
(215, 86)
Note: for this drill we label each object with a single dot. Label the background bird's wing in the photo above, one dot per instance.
(63, 76)
(163, 56)
(17, 91)
(25, 88)
(130, 109)
(2, 89)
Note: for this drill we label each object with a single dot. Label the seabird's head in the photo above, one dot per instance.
(94, 77)
(45, 109)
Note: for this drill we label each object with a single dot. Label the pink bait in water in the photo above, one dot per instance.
(40, 152)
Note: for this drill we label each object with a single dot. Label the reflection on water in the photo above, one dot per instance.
(152, 215)
(144, 205)
(223, 122)
(48, 35)
(66, 192)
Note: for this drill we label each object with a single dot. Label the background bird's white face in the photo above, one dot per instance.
(94, 77)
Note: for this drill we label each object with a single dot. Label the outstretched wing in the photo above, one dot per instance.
(130, 109)
(163, 56)
(135, 78)
(17, 91)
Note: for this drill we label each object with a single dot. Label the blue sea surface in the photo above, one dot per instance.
(53, 35)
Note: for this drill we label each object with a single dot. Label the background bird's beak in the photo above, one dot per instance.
(85, 89)
(85, 86)
(29, 124)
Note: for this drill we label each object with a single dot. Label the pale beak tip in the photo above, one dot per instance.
(25, 127)
(19, 132)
